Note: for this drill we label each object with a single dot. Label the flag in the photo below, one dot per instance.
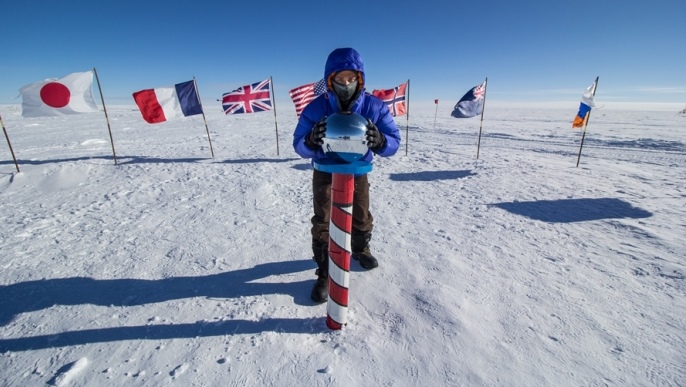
(587, 102)
(436, 101)
(303, 95)
(394, 98)
(72, 94)
(471, 104)
(167, 103)
(248, 99)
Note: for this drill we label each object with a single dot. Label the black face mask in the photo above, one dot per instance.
(345, 92)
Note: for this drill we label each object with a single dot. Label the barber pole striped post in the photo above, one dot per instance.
(340, 228)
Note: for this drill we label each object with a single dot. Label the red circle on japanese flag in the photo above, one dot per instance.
(55, 95)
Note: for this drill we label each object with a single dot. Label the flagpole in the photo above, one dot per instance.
(276, 126)
(207, 129)
(483, 108)
(9, 143)
(436, 113)
(104, 109)
(407, 127)
(586, 117)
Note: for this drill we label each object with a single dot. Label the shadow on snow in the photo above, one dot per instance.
(30, 296)
(430, 175)
(574, 210)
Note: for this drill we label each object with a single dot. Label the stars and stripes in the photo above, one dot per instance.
(252, 98)
(303, 95)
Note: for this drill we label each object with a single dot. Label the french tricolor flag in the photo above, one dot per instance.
(166, 103)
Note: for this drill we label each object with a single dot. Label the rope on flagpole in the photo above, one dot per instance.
(586, 117)
(104, 108)
(207, 129)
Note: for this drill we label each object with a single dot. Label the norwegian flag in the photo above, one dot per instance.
(303, 95)
(394, 98)
(248, 99)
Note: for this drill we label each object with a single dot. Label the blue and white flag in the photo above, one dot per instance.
(471, 104)
(587, 102)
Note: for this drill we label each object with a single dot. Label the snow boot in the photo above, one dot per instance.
(361, 252)
(320, 291)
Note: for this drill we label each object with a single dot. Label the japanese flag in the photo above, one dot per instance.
(72, 94)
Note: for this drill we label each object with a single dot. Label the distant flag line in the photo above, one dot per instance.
(72, 94)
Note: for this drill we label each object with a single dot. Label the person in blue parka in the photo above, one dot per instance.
(345, 79)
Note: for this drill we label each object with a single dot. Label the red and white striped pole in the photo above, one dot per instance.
(346, 142)
(340, 228)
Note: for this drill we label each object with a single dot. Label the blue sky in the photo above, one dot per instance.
(534, 51)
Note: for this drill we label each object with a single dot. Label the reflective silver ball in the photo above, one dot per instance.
(345, 137)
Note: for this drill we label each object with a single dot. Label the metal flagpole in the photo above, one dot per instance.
(195, 84)
(407, 127)
(436, 113)
(483, 108)
(104, 108)
(9, 144)
(276, 126)
(588, 115)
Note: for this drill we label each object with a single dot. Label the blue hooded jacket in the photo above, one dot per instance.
(326, 104)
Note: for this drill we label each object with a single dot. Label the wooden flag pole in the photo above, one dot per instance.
(407, 126)
(276, 126)
(207, 129)
(478, 146)
(588, 115)
(9, 143)
(104, 109)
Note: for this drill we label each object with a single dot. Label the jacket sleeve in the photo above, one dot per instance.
(387, 126)
(308, 118)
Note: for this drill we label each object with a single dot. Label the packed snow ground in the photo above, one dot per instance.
(175, 268)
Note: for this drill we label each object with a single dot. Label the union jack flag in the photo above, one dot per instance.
(248, 99)
(303, 95)
(394, 98)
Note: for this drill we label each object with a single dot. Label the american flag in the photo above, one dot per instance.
(304, 94)
(394, 98)
(248, 99)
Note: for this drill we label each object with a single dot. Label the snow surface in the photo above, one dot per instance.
(514, 269)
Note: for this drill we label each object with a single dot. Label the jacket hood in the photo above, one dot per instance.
(344, 59)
